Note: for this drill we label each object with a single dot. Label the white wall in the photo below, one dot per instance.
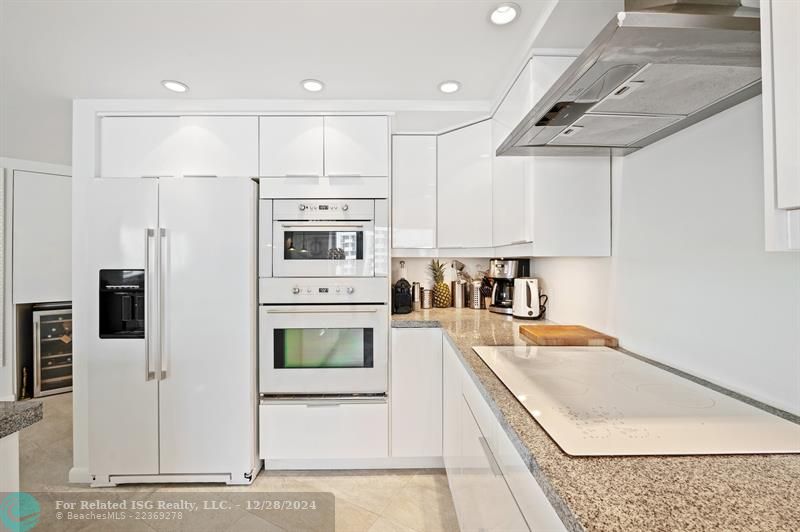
(689, 283)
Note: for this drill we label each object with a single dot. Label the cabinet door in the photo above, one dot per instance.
(291, 146)
(414, 191)
(224, 146)
(508, 197)
(464, 199)
(416, 393)
(42, 240)
(785, 71)
(452, 378)
(356, 146)
(486, 499)
(508, 173)
(141, 146)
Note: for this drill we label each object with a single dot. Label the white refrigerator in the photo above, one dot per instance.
(175, 401)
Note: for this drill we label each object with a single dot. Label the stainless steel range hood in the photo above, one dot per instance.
(655, 69)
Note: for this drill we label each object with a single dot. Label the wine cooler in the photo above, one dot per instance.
(52, 351)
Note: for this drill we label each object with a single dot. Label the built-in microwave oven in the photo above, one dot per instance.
(329, 238)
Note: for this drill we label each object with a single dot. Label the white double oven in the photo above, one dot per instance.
(323, 294)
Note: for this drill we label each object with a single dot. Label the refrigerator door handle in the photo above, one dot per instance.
(149, 374)
(162, 286)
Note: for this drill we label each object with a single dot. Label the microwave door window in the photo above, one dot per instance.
(323, 245)
(323, 348)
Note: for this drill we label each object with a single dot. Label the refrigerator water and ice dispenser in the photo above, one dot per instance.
(122, 303)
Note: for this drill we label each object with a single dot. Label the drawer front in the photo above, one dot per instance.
(323, 430)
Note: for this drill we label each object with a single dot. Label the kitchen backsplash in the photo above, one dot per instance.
(417, 268)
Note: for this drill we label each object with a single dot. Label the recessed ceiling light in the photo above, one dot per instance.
(449, 87)
(175, 86)
(504, 13)
(312, 85)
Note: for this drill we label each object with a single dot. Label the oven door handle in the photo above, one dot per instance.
(321, 311)
(326, 226)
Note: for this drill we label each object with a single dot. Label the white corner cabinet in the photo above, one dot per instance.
(463, 203)
(324, 146)
(178, 146)
(416, 393)
(526, 206)
(780, 66)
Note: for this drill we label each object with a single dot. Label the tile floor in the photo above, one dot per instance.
(366, 501)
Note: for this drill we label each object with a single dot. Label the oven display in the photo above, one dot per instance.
(323, 290)
(323, 207)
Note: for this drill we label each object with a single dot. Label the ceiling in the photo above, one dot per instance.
(57, 50)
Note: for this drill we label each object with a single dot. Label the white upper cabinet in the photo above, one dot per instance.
(508, 183)
(145, 146)
(223, 146)
(465, 187)
(42, 239)
(414, 191)
(149, 146)
(356, 146)
(291, 146)
(784, 79)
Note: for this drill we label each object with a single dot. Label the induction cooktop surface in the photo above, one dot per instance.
(596, 401)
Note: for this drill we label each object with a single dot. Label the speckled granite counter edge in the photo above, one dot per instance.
(16, 416)
(416, 324)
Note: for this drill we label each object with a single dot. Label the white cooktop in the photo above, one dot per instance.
(595, 401)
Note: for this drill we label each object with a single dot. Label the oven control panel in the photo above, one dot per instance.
(322, 291)
(323, 209)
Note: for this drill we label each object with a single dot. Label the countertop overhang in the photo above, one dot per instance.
(15, 416)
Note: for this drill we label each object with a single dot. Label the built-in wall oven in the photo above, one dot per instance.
(323, 336)
(326, 238)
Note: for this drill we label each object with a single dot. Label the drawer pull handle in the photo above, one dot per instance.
(490, 457)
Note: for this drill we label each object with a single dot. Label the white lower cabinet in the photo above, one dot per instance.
(416, 393)
(492, 488)
(486, 502)
(323, 430)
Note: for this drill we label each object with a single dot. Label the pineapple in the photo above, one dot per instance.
(441, 292)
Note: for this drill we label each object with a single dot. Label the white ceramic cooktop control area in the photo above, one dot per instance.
(595, 401)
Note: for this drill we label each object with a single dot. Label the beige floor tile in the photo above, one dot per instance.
(352, 518)
(424, 507)
(252, 523)
(371, 491)
(384, 524)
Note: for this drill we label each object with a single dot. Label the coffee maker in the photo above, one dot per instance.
(502, 272)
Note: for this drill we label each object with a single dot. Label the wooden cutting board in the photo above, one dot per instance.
(566, 335)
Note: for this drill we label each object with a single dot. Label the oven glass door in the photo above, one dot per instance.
(323, 249)
(330, 349)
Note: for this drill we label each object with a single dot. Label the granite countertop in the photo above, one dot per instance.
(625, 493)
(15, 416)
